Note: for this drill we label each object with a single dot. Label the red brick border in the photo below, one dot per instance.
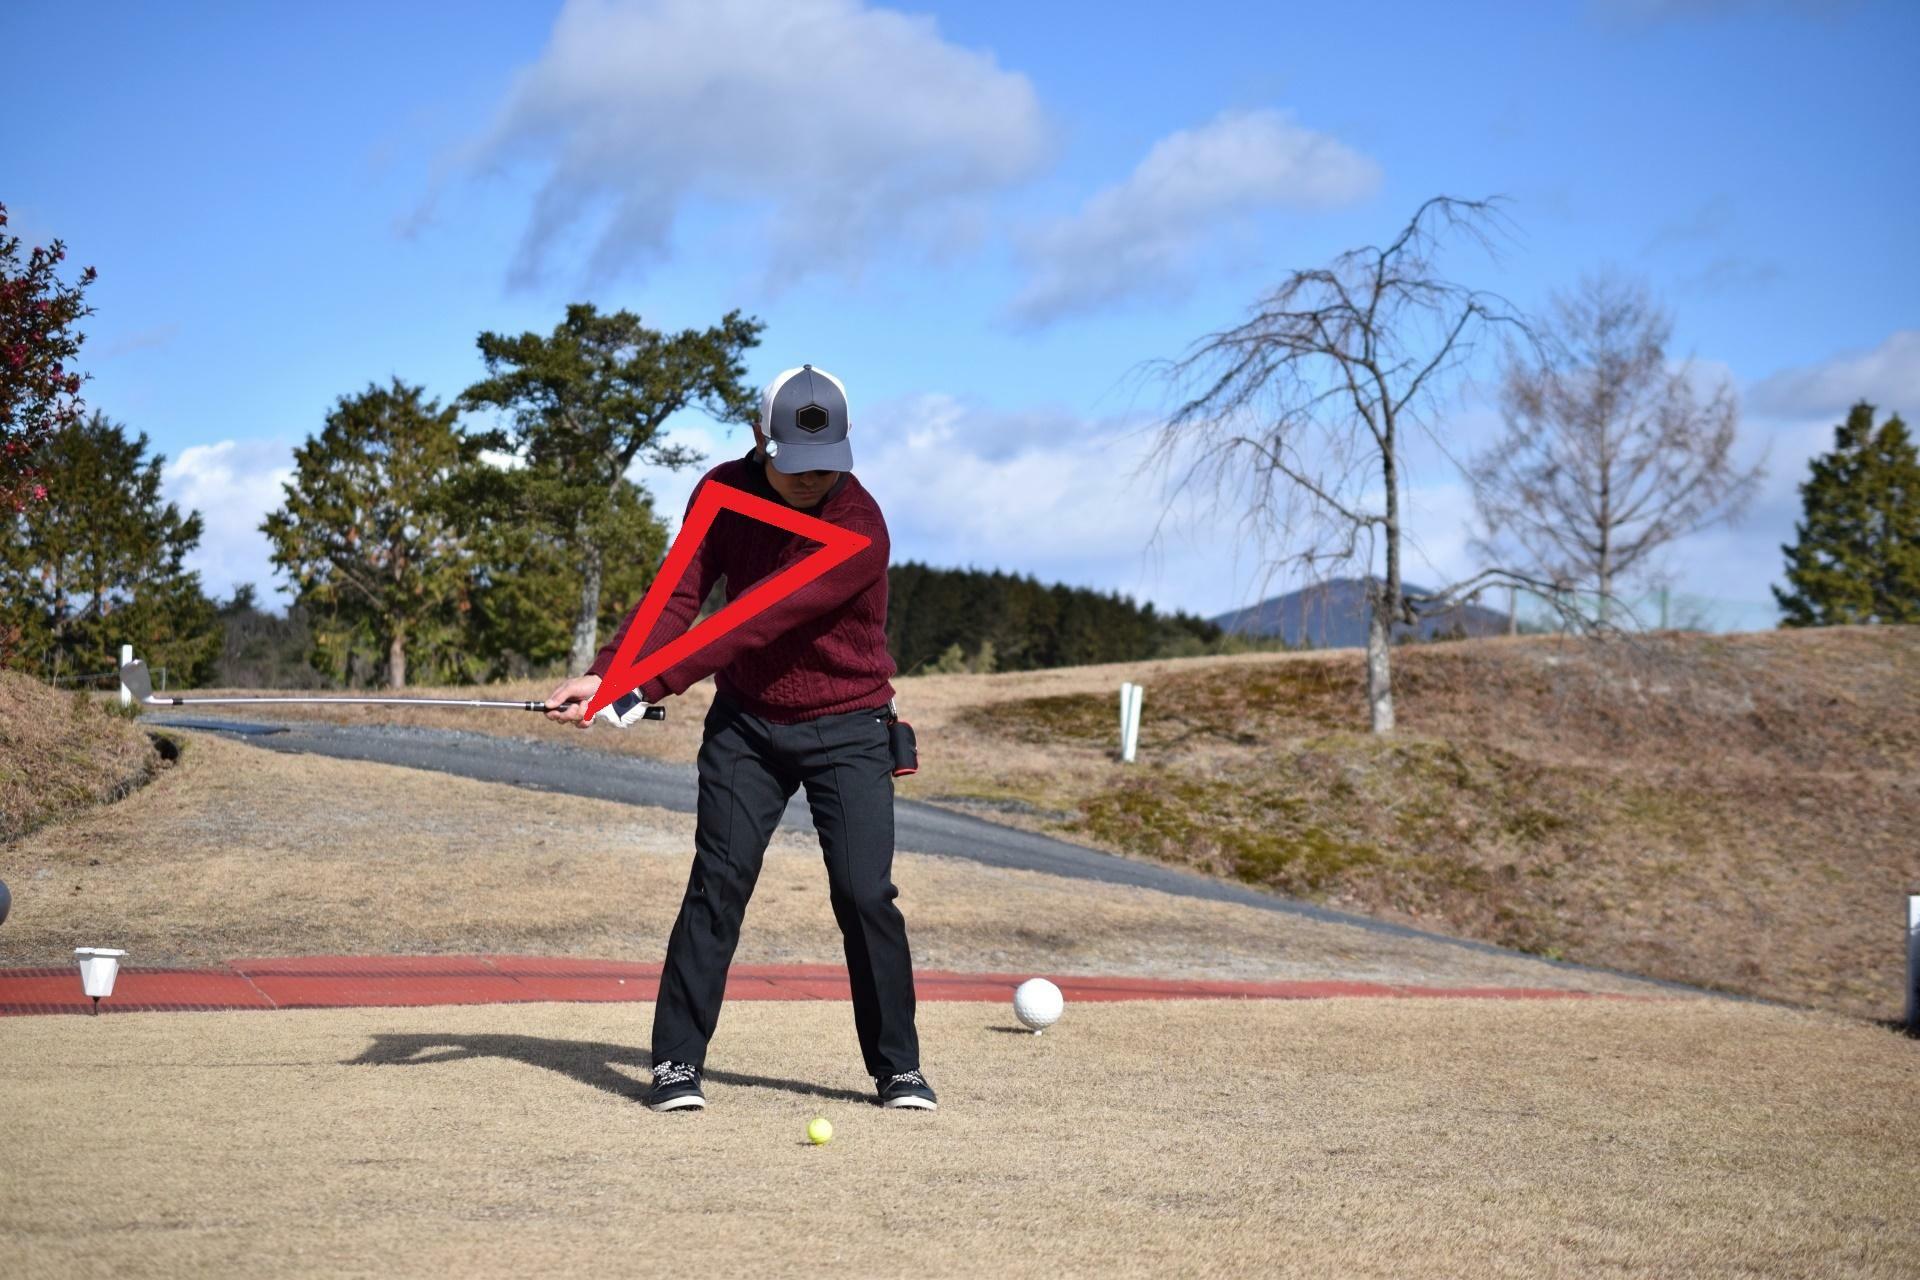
(336, 982)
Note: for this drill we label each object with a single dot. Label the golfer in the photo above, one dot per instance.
(802, 698)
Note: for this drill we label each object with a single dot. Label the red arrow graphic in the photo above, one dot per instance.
(837, 545)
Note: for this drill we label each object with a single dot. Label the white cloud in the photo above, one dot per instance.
(1142, 236)
(846, 127)
(1049, 494)
(1887, 376)
(232, 484)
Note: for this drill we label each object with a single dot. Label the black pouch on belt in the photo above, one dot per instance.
(906, 755)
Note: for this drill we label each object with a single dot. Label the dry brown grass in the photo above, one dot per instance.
(1728, 811)
(239, 852)
(1334, 1138)
(1732, 811)
(61, 752)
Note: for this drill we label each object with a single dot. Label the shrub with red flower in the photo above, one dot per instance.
(39, 394)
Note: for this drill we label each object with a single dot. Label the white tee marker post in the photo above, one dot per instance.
(126, 656)
(1913, 964)
(1130, 695)
(1133, 722)
(98, 967)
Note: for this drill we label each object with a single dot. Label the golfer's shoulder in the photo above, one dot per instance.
(733, 472)
(855, 507)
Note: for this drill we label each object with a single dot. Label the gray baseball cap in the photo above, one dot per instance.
(803, 414)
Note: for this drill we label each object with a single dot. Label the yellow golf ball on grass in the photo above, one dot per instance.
(819, 1131)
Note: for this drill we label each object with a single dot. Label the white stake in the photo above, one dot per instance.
(1130, 732)
(1913, 964)
(1126, 704)
(126, 694)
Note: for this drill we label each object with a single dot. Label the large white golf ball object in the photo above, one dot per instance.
(1038, 1004)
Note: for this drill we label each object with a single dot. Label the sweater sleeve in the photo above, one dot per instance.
(695, 585)
(827, 592)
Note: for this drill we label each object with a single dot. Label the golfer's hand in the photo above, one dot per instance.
(566, 704)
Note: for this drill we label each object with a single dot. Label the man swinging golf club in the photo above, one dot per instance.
(802, 699)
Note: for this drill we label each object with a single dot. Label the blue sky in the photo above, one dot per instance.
(983, 217)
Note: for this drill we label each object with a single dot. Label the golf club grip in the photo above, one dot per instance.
(651, 713)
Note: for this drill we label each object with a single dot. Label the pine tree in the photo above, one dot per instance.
(369, 537)
(1857, 558)
(586, 402)
(526, 589)
(98, 562)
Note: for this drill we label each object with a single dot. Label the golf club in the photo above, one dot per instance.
(620, 713)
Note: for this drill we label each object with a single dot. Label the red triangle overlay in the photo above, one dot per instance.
(837, 546)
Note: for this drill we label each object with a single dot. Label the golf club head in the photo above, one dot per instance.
(134, 676)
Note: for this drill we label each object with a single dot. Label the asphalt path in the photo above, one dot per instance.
(539, 765)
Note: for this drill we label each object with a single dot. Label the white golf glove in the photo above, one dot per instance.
(625, 710)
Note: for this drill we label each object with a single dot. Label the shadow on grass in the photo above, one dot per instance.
(590, 1062)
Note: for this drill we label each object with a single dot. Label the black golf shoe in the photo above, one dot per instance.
(906, 1089)
(676, 1087)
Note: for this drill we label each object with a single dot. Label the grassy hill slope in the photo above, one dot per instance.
(62, 751)
(1736, 812)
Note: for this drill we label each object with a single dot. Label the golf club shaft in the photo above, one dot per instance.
(158, 700)
(161, 700)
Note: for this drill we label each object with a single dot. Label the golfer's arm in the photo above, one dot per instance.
(678, 614)
(827, 592)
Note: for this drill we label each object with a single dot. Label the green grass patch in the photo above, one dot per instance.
(1054, 718)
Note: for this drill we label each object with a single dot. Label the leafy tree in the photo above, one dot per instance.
(39, 391)
(586, 402)
(526, 581)
(99, 562)
(368, 535)
(1857, 554)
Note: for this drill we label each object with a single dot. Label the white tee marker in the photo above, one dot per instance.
(1130, 695)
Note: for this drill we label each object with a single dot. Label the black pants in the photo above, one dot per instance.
(749, 769)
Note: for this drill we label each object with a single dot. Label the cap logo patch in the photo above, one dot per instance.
(811, 418)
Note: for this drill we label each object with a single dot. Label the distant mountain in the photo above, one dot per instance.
(1333, 615)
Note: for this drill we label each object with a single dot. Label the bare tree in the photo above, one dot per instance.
(1310, 403)
(1608, 453)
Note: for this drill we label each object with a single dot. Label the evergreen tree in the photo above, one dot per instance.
(586, 402)
(264, 650)
(968, 619)
(526, 588)
(369, 537)
(98, 562)
(1857, 558)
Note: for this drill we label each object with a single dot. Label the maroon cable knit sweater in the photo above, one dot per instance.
(820, 651)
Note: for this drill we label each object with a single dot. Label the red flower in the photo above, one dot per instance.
(39, 493)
